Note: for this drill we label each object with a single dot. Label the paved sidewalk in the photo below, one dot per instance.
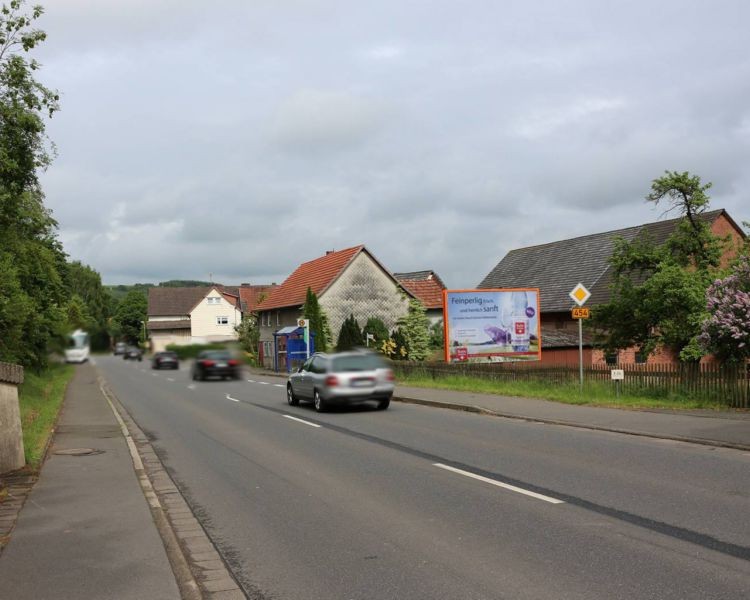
(86, 530)
(717, 428)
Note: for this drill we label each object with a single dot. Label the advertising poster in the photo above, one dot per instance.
(492, 325)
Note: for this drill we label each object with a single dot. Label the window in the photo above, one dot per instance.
(277, 318)
(222, 320)
(641, 357)
(611, 358)
(213, 300)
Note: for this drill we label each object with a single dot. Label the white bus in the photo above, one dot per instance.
(78, 349)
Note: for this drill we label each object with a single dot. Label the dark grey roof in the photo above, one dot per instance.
(413, 275)
(562, 338)
(162, 325)
(557, 267)
(419, 276)
(174, 301)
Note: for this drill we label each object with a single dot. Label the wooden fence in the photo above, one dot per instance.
(727, 384)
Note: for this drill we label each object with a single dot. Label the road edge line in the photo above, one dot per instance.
(162, 494)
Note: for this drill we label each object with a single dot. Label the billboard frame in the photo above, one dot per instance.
(446, 321)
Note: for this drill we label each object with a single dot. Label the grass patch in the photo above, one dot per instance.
(594, 393)
(40, 397)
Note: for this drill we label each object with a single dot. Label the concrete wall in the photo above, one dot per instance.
(161, 339)
(11, 438)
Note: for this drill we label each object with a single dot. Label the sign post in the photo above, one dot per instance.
(305, 323)
(580, 294)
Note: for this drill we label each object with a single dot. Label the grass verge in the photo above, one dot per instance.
(40, 397)
(594, 393)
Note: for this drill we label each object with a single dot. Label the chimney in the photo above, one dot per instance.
(329, 252)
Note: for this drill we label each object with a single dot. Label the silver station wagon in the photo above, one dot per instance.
(342, 379)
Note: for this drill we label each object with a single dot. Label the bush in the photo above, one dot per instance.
(192, 350)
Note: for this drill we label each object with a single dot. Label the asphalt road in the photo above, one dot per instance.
(423, 503)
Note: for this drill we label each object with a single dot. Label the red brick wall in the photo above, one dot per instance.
(723, 227)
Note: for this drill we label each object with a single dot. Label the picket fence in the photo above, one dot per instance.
(727, 384)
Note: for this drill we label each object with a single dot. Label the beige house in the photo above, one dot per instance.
(350, 281)
(191, 315)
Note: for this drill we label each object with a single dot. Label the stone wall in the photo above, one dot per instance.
(11, 438)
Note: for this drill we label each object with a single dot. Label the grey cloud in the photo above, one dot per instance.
(439, 135)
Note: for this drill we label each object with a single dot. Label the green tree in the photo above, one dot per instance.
(658, 291)
(415, 328)
(27, 229)
(130, 316)
(313, 312)
(249, 336)
(86, 283)
(377, 329)
(437, 335)
(399, 349)
(350, 335)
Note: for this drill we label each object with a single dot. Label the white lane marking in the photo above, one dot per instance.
(507, 486)
(300, 420)
(191, 386)
(154, 374)
(278, 385)
(251, 380)
(170, 379)
(263, 382)
(232, 399)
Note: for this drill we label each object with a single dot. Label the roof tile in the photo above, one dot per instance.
(316, 274)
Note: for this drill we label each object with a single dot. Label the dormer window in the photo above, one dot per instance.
(213, 300)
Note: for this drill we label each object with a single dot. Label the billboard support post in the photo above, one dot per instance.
(580, 352)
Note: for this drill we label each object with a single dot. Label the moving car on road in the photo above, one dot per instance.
(215, 363)
(342, 379)
(120, 348)
(133, 353)
(165, 360)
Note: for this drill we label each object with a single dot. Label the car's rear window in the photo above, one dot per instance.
(217, 355)
(167, 354)
(357, 362)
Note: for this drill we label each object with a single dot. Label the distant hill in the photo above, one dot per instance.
(120, 291)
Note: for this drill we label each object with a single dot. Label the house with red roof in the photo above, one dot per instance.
(426, 287)
(349, 281)
(192, 315)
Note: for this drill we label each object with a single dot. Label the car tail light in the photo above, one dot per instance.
(233, 363)
(207, 363)
(390, 376)
(332, 381)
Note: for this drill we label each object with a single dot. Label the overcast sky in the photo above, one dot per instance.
(240, 138)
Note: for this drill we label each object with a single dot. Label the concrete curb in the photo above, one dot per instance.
(486, 411)
(199, 569)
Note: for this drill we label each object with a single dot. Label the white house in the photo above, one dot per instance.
(191, 315)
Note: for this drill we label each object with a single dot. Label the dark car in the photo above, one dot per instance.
(342, 379)
(165, 360)
(215, 363)
(133, 353)
(120, 348)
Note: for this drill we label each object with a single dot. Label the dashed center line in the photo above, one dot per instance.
(251, 380)
(263, 383)
(300, 421)
(170, 379)
(278, 385)
(506, 486)
(232, 399)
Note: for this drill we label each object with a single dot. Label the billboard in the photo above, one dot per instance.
(492, 325)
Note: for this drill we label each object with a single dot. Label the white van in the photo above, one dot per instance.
(78, 349)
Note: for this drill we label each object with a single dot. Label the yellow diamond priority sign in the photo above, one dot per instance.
(579, 294)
